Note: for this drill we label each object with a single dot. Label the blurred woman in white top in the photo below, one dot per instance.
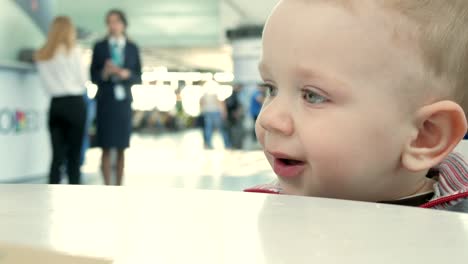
(214, 116)
(60, 68)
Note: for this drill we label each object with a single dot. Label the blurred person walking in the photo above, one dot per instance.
(115, 68)
(60, 68)
(235, 118)
(214, 114)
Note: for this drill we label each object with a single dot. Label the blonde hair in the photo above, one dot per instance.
(443, 41)
(441, 30)
(61, 33)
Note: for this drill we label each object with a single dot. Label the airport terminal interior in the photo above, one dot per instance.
(233, 131)
(184, 45)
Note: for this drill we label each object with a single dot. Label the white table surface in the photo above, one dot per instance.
(148, 225)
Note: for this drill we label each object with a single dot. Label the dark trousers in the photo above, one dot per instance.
(67, 119)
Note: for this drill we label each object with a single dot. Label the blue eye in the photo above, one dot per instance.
(313, 97)
(270, 90)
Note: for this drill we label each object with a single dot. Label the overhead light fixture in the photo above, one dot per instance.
(149, 97)
(162, 74)
(224, 77)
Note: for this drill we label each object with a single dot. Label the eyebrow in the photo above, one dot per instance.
(309, 72)
(332, 83)
(302, 71)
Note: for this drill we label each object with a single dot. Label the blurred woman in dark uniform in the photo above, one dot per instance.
(115, 68)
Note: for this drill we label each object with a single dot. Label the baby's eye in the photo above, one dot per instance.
(271, 91)
(313, 97)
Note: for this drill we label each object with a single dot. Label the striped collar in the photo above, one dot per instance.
(453, 179)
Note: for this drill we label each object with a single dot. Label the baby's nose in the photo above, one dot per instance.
(275, 117)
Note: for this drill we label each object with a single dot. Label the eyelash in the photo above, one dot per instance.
(305, 92)
(270, 90)
(273, 91)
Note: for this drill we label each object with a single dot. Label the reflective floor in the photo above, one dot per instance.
(180, 161)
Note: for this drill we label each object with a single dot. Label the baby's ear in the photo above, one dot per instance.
(439, 127)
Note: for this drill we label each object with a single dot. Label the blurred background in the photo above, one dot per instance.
(187, 47)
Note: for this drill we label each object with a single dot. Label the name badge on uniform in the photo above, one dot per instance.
(119, 92)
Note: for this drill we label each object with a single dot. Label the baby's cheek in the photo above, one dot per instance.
(327, 186)
(333, 175)
(260, 133)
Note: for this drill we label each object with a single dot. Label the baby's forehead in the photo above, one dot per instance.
(376, 12)
(302, 21)
(337, 40)
(429, 36)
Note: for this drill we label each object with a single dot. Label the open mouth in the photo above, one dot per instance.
(290, 162)
(288, 168)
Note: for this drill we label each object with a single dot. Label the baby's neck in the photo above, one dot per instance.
(426, 186)
(420, 193)
(404, 184)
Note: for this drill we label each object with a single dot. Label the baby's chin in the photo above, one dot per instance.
(289, 189)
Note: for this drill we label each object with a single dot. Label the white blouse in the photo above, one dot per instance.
(63, 74)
